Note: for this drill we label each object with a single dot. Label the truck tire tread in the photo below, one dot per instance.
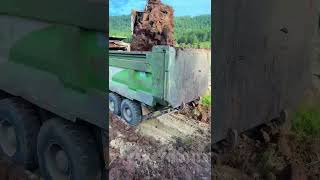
(31, 126)
(83, 143)
(117, 99)
(136, 111)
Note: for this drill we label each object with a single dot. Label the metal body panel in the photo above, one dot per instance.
(166, 76)
(136, 61)
(57, 67)
(124, 89)
(13, 29)
(89, 14)
(261, 60)
(47, 91)
(188, 75)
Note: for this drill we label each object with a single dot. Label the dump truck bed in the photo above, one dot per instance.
(165, 76)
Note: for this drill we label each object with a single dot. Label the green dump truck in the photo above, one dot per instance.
(165, 77)
(53, 82)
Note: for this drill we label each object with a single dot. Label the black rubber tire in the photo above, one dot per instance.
(116, 99)
(135, 109)
(26, 125)
(78, 143)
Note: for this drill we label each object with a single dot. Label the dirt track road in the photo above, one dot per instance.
(170, 146)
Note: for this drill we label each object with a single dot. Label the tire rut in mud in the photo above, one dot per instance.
(170, 146)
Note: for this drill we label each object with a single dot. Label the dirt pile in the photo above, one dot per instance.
(279, 156)
(197, 111)
(143, 157)
(153, 27)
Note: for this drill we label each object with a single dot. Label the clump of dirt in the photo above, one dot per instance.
(138, 156)
(197, 111)
(154, 27)
(278, 156)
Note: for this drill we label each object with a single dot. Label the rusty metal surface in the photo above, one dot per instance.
(261, 60)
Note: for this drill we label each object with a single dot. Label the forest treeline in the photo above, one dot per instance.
(192, 32)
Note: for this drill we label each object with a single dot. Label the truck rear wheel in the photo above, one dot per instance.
(131, 112)
(19, 127)
(67, 151)
(114, 103)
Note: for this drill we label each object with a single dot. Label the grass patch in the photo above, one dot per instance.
(206, 100)
(306, 123)
(267, 162)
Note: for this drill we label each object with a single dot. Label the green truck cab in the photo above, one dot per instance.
(53, 83)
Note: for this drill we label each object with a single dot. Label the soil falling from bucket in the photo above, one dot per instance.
(154, 26)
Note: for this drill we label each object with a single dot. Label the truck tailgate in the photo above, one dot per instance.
(188, 75)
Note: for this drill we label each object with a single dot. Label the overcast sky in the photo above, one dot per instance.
(181, 7)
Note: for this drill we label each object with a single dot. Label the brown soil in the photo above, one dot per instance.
(197, 111)
(278, 156)
(155, 27)
(143, 157)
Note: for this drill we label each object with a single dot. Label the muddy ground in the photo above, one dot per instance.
(281, 155)
(172, 146)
